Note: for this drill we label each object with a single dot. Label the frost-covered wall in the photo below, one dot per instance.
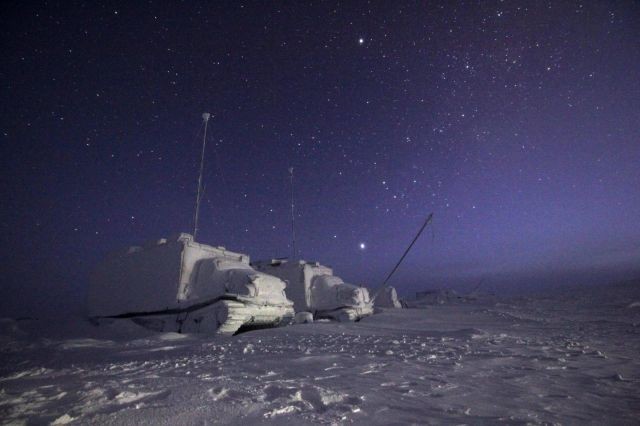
(138, 279)
(160, 275)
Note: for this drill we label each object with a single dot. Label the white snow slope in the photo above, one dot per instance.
(566, 358)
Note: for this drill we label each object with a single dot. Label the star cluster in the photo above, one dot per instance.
(515, 123)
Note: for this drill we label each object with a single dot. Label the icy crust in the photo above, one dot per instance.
(174, 274)
(552, 359)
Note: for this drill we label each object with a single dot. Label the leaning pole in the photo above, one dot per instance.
(205, 117)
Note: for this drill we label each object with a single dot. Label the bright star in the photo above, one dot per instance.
(363, 246)
(360, 40)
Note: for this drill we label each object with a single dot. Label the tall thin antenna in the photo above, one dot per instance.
(205, 117)
(293, 216)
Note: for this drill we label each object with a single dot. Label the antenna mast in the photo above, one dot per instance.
(293, 220)
(205, 117)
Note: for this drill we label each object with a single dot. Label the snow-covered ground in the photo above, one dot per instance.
(569, 357)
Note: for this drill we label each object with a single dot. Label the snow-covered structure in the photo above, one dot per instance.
(388, 298)
(180, 285)
(313, 288)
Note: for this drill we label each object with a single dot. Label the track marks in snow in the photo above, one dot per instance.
(20, 405)
(85, 343)
(309, 401)
(455, 364)
(29, 373)
(137, 397)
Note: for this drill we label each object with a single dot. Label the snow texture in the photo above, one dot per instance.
(567, 358)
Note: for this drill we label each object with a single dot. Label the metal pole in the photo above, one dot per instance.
(293, 217)
(205, 117)
(426, 222)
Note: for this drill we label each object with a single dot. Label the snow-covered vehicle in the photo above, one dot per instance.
(180, 285)
(313, 288)
(387, 297)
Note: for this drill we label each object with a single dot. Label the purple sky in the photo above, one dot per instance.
(517, 124)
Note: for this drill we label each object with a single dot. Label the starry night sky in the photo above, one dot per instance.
(517, 124)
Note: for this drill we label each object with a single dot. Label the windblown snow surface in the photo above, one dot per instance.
(569, 358)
